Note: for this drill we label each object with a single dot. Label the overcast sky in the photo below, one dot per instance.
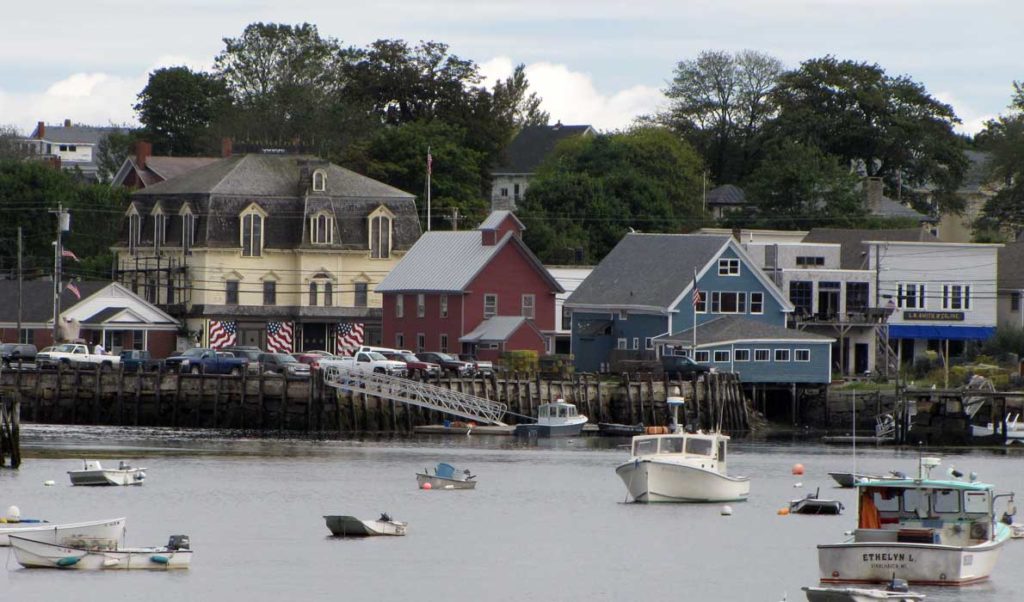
(600, 62)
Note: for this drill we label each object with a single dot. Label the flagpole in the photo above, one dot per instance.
(429, 169)
(694, 304)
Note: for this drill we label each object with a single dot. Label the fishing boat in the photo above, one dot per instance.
(926, 531)
(93, 474)
(555, 419)
(1014, 431)
(813, 504)
(350, 526)
(896, 591)
(611, 429)
(37, 554)
(98, 532)
(446, 476)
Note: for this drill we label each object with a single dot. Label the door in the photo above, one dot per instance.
(860, 358)
(314, 336)
(251, 336)
(828, 300)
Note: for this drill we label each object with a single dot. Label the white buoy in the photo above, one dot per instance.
(726, 510)
(798, 484)
(13, 513)
(50, 483)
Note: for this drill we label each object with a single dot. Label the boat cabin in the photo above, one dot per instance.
(953, 513)
(690, 446)
(557, 409)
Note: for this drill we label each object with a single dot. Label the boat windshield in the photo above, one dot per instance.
(698, 447)
(672, 445)
(645, 447)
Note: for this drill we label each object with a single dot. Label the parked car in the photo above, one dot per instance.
(414, 366)
(135, 360)
(77, 354)
(449, 363)
(479, 366)
(311, 358)
(247, 352)
(368, 361)
(203, 360)
(12, 353)
(682, 365)
(282, 363)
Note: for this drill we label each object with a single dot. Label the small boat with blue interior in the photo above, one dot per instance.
(31, 554)
(446, 476)
(924, 530)
(350, 526)
(555, 419)
(681, 467)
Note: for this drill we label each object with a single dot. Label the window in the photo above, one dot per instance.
(956, 296)
(728, 267)
(762, 355)
(231, 292)
(527, 306)
(636, 343)
(515, 190)
(188, 230)
(159, 230)
(648, 343)
(252, 234)
(623, 315)
(741, 355)
(946, 500)
(800, 294)
(757, 303)
(621, 344)
(362, 292)
(809, 262)
(782, 355)
(721, 356)
(421, 305)
(399, 305)
(312, 294)
(321, 229)
(700, 304)
(490, 306)
(380, 237)
(702, 357)
(1015, 301)
(728, 302)
(269, 292)
(566, 318)
(134, 232)
(443, 303)
(503, 191)
(399, 340)
(444, 343)
(319, 181)
(421, 342)
(802, 355)
(910, 296)
(64, 148)
(856, 296)
(328, 294)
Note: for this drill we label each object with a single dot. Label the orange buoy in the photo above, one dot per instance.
(427, 486)
(783, 512)
(798, 469)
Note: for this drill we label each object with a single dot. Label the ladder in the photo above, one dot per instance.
(415, 393)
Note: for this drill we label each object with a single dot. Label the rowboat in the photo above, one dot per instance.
(445, 477)
(94, 474)
(813, 504)
(350, 526)
(36, 554)
(897, 591)
(98, 532)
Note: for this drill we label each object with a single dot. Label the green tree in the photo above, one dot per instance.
(96, 215)
(720, 102)
(592, 190)
(112, 151)
(10, 143)
(797, 186)
(27, 190)
(177, 108)
(1004, 138)
(888, 126)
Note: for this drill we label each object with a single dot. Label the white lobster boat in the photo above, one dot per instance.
(98, 532)
(350, 526)
(93, 474)
(923, 530)
(36, 554)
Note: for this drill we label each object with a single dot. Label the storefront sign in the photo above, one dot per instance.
(934, 316)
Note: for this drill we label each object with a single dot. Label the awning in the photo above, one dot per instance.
(932, 331)
(494, 330)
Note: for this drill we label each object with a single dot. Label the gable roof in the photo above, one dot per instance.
(159, 168)
(890, 208)
(727, 329)
(647, 270)
(853, 253)
(533, 144)
(728, 195)
(495, 329)
(448, 262)
(37, 299)
(76, 134)
(496, 217)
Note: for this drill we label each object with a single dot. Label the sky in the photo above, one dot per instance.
(598, 62)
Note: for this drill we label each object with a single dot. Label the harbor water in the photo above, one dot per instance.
(547, 520)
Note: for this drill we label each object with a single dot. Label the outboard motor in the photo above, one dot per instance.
(179, 542)
(898, 585)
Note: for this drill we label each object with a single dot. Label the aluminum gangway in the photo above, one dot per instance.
(414, 392)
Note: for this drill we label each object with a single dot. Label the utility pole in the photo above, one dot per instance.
(430, 168)
(20, 279)
(455, 218)
(63, 225)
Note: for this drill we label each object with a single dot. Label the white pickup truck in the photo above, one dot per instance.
(367, 361)
(76, 354)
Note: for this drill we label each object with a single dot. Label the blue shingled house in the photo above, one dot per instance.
(639, 304)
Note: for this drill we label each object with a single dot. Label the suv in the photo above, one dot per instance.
(414, 365)
(682, 365)
(12, 353)
(134, 360)
(248, 353)
(449, 363)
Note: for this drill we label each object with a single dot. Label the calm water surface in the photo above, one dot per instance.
(546, 522)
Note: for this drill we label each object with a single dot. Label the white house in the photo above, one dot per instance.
(570, 278)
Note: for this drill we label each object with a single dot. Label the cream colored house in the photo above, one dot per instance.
(277, 251)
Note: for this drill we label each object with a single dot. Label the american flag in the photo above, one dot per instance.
(349, 335)
(74, 290)
(69, 254)
(222, 334)
(279, 337)
(698, 298)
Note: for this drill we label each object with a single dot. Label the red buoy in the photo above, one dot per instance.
(798, 469)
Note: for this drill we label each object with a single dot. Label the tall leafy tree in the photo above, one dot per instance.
(27, 190)
(10, 143)
(886, 126)
(594, 189)
(1004, 138)
(112, 150)
(177, 108)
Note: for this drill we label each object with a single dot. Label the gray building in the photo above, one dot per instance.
(521, 158)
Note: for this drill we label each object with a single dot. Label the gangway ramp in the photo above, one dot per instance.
(415, 393)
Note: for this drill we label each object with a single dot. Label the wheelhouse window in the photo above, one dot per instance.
(321, 228)
(490, 306)
(252, 234)
(231, 292)
(728, 267)
(380, 237)
(269, 292)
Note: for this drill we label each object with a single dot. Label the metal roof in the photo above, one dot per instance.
(76, 134)
(498, 328)
(496, 217)
(727, 194)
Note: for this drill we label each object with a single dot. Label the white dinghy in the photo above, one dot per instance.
(93, 474)
(36, 554)
(98, 532)
(350, 526)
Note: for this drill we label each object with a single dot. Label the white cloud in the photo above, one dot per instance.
(572, 97)
(972, 121)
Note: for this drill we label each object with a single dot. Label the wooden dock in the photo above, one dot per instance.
(10, 432)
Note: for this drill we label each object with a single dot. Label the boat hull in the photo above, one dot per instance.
(443, 483)
(655, 481)
(549, 430)
(35, 554)
(919, 564)
(107, 476)
(855, 594)
(350, 526)
(99, 532)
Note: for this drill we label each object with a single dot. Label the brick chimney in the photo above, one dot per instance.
(143, 151)
(41, 130)
(225, 147)
(873, 194)
(67, 123)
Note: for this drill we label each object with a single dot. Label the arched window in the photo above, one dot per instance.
(188, 229)
(380, 237)
(321, 229)
(159, 230)
(252, 234)
(319, 181)
(134, 232)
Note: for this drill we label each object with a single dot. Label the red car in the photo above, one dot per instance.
(312, 358)
(414, 366)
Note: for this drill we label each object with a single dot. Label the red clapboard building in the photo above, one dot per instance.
(478, 291)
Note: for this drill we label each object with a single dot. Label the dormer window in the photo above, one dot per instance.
(252, 232)
(188, 229)
(380, 233)
(159, 229)
(319, 181)
(134, 231)
(321, 229)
